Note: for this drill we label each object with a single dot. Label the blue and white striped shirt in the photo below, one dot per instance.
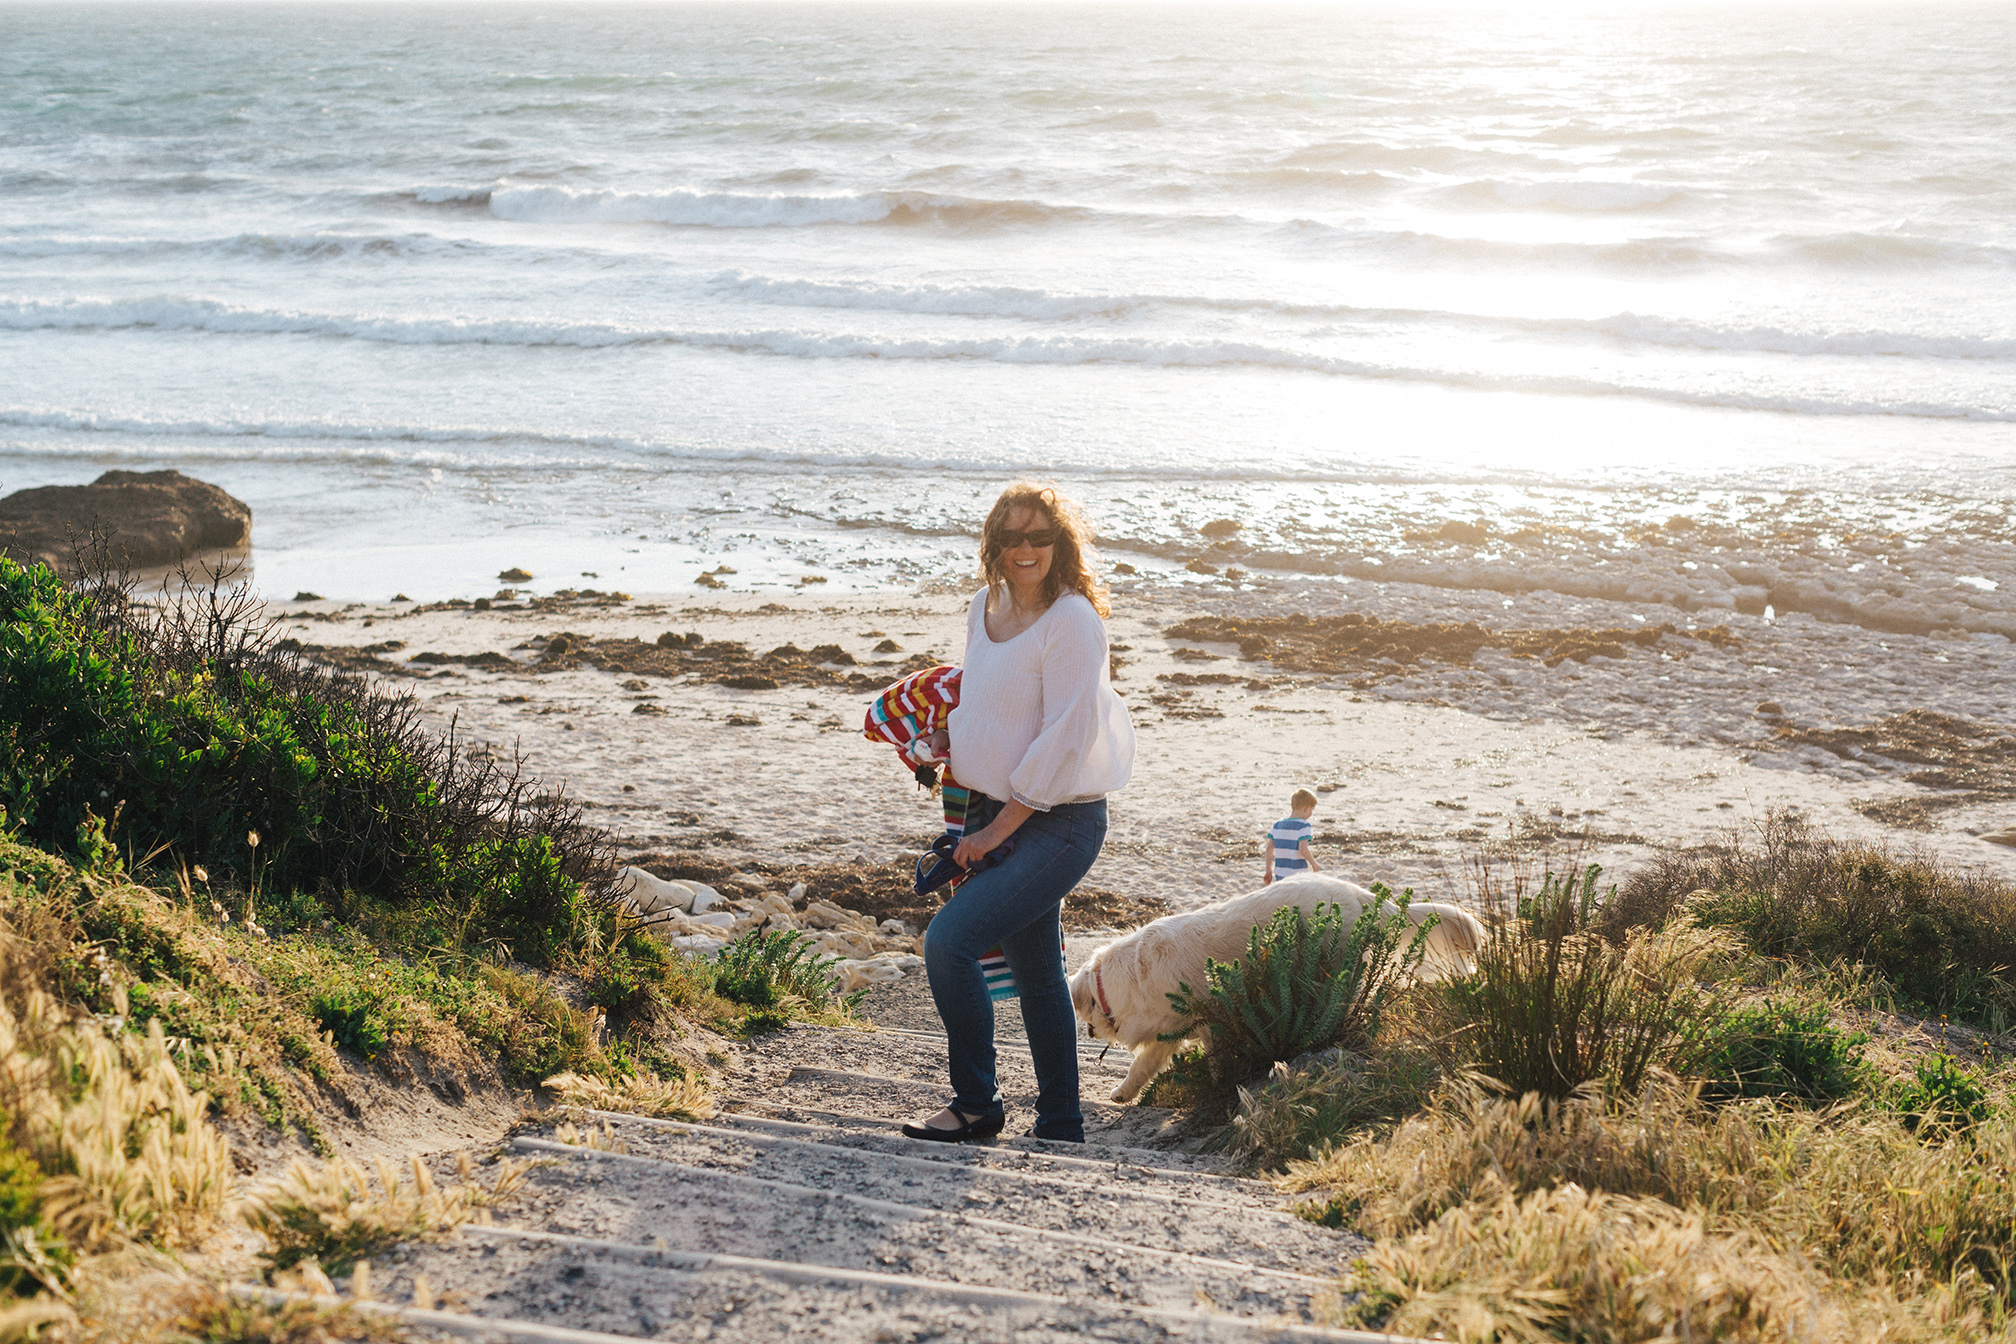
(1287, 837)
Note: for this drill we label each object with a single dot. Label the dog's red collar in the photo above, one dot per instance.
(1099, 988)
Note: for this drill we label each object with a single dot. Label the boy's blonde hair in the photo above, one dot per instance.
(1301, 798)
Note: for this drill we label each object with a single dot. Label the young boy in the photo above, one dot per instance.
(1288, 840)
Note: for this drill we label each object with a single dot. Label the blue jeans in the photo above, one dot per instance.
(1016, 906)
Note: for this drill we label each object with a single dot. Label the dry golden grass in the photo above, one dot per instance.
(1282, 1118)
(1594, 1210)
(1760, 1208)
(1569, 1264)
(644, 1094)
(213, 1316)
(131, 1155)
(171, 1306)
(331, 1214)
(600, 1138)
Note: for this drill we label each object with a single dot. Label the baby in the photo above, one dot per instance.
(1288, 840)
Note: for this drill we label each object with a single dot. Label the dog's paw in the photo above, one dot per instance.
(1120, 1095)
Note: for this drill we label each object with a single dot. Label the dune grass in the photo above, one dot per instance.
(1843, 1203)
(231, 886)
(333, 1215)
(1942, 939)
(1648, 1118)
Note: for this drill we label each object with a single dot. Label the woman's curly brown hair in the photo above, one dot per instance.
(1071, 563)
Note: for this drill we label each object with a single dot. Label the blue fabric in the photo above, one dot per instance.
(1287, 837)
(935, 866)
(1016, 906)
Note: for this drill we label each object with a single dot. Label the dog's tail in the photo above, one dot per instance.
(1454, 942)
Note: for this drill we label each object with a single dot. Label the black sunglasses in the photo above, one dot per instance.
(1008, 538)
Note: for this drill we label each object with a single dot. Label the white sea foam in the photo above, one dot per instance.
(1576, 195)
(711, 209)
(443, 195)
(1016, 303)
(188, 314)
(1043, 306)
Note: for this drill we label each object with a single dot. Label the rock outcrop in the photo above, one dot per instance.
(146, 518)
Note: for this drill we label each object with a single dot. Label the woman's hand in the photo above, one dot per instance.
(977, 846)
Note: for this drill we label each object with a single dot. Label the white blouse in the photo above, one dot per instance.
(1038, 720)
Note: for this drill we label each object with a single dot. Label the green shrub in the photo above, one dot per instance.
(1554, 1005)
(1782, 1049)
(620, 985)
(353, 1021)
(192, 729)
(768, 969)
(1942, 1096)
(1306, 983)
(20, 1216)
(20, 1184)
(1945, 939)
(546, 1034)
(1188, 1083)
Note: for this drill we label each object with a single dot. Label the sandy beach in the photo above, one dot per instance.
(1432, 735)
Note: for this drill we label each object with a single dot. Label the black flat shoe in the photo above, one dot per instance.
(981, 1127)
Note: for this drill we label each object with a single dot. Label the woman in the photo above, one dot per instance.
(1039, 732)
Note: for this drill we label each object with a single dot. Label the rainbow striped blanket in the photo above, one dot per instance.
(913, 708)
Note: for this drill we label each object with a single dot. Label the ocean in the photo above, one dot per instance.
(1705, 309)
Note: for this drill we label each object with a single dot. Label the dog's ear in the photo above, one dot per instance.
(1081, 993)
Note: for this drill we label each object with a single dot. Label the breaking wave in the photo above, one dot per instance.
(184, 314)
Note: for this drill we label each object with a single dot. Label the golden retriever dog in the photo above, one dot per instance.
(1122, 992)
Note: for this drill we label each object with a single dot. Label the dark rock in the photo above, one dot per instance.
(888, 646)
(498, 661)
(305, 596)
(751, 682)
(147, 518)
(1220, 527)
(514, 575)
(1770, 709)
(1356, 644)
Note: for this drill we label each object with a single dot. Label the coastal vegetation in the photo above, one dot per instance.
(1757, 1093)
(1307, 983)
(237, 893)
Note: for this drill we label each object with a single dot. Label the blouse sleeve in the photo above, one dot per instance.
(1086, 746)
